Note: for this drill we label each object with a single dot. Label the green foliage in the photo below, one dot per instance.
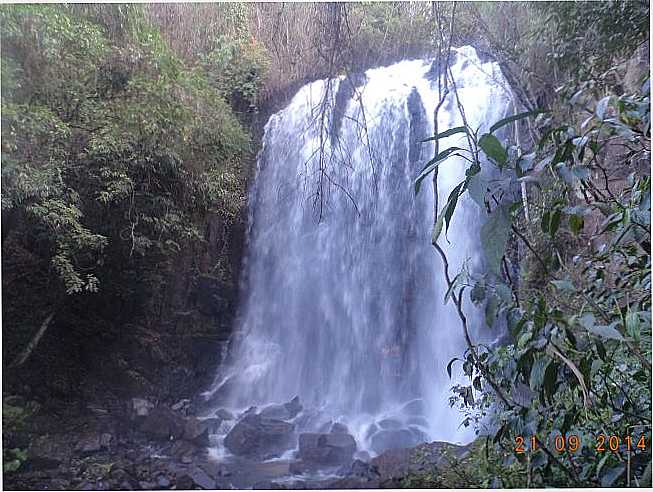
(237, 69)
(481, 466)
(578, 359)
(14, 417)
(389, 31)
(609, 29)
(113, 150)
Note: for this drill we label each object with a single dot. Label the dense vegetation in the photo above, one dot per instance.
(127, 134)
(567, 249)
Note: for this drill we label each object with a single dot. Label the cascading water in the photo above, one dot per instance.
(343, 298)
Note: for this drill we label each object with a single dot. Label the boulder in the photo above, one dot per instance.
(393, 463)
(163, 424)
(294, 407)
(224, 414)
(257, 437)
(253, 410)
(360, 469)
(184, 450)
(201, 478)
(197, 431)
(363, 456)
(326, 449)
(393, 439)
(287, 411)
(338, 428)
(389, 424)
(278, 412)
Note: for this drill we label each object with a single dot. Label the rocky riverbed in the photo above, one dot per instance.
(142, 445)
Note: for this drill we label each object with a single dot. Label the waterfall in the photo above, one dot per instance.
(342, 302)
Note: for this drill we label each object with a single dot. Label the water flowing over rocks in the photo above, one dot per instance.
(255, 436)
(337, 307)
(326, 449)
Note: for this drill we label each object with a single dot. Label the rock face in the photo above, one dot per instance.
(287, 411)
(197, 431)
(326, 449)
(394, 439)
(163, 424)
(338, 428)
(259, 437)
(224, 414)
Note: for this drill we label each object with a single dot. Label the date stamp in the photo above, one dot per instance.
(573, 443)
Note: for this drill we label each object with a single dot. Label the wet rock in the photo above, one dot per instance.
(224, 414)
(393, 439)
(360, 469)
(163, 424)
(253, 410)
(389, 424)
(141, 407)
(419, 434)
(200, 478)
(287, 411)
(338, 428)
(328, 449)
(363, 456)
(275, 412)
(258, 437)
(197, 431)
(181, 448)
(294, 407)
(392, 463)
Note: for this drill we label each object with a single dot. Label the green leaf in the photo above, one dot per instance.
(606, 331)
(477, 185)
(632, 324)
(555, 223)
(447, 133)
(432, 164)
(450, 364)
(576, 223)
(546, 220)
(494, 237)
(437, 229)
(515, 117)
(550, 379)
(537, 373)
(493, 149)
(451, 204)
(477, 293)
